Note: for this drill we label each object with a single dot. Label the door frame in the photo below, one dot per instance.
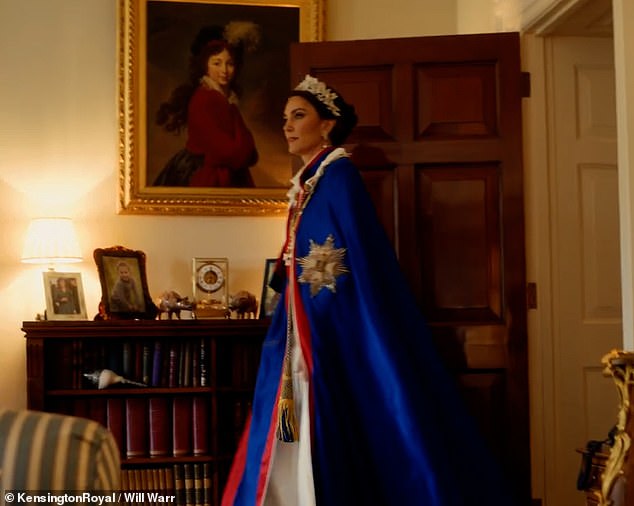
(540, 24)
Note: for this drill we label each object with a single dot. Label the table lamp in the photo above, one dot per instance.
(51, 241)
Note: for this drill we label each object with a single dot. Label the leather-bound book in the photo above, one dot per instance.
(128, 359)
(202, 359)
(138, 361)
(159, 424)
(136, 411)
(187, 362)
(190, 492)
(172, 376)
(81, 407)
(157, 359)
(198, 484)
(115, 421)
(97, 410)
(179, 483)
(207, 492)
(200, 425)
(169, 481)
(181, 426)
(195, 364)
(147, 363)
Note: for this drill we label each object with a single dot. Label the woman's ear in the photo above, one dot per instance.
(326, 127)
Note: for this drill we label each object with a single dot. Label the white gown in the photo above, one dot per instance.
(290, 481)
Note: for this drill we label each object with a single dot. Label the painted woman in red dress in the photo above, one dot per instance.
(220, 147)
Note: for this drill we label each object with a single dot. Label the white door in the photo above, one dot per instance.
(586, 309)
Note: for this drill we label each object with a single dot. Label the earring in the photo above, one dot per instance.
(325, 141)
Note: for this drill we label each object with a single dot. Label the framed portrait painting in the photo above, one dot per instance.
(64, 296)
(174, 127)
(124, 287)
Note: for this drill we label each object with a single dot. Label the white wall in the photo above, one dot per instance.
(58, 156)
(374, 19)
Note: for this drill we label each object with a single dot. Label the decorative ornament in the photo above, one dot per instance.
(105, 378)
(244, 304)
(321, 92)
(246, 33)
(322, 266)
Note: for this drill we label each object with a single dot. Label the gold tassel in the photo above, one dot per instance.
(286, 422)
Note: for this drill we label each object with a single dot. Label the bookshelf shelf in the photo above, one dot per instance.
(179, 433)
(125, 392)
(157, 461)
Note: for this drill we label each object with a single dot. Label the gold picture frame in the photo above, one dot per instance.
(147, 34)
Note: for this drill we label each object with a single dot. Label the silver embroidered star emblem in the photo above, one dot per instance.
(322, 266)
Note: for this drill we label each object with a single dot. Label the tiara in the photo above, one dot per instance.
(321, 92)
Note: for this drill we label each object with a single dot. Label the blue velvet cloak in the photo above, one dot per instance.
(388, 425)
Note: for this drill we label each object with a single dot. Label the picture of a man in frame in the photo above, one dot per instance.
(259, 94)
(124, 285)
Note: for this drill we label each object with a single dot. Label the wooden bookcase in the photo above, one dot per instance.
(176, 435)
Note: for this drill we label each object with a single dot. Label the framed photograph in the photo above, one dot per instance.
(161, 149)
(270, 297)
(210, 278)
(64, 296)
(124, 288)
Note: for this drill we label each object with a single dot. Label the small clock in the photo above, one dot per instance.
(210, 286)
(210, 277)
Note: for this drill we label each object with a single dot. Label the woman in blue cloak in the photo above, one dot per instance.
(352, 406)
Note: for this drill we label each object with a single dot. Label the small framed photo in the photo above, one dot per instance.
(64, 296)
(124, 288)
(270, 297)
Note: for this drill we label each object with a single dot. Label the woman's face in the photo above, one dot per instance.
(305, 131)
(221, 68)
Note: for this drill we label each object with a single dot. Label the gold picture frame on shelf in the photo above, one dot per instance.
(155, 38)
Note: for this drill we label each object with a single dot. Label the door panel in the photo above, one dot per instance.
(439, 146)
(459, 243)
(456, 100)
(585, 252)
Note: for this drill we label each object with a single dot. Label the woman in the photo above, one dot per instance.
(219, 148)
(63, 298)
(351, 405)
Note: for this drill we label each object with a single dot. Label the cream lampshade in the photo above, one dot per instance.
(51, 241)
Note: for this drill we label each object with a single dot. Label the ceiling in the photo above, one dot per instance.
(589, 18)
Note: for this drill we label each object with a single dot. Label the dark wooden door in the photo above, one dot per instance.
(439, 144)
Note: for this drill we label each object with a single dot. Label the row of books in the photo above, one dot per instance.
(160, 426)
(149, 426)
(159, 363)
(181, 484)
(167, 363)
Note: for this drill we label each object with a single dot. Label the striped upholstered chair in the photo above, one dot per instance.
(49, 452)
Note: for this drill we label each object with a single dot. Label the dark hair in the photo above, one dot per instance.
(209, 41)
(344, 123)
